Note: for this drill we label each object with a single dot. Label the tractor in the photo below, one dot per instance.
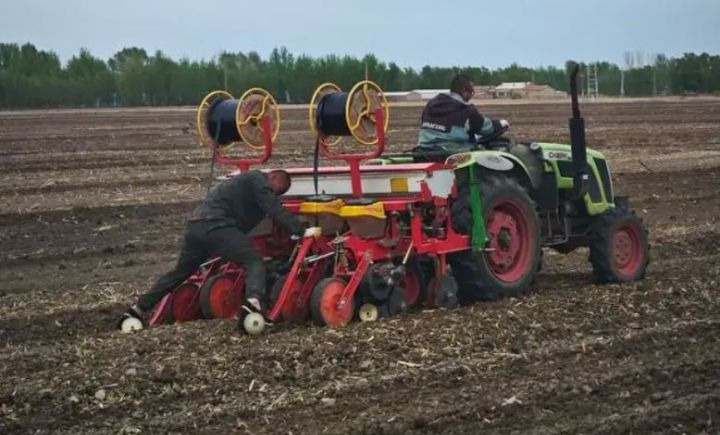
(513, 199)
(413, 229)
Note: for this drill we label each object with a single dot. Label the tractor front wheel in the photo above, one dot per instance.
(326, 306)
(619, 248)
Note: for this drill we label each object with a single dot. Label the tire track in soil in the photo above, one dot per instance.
(569, 386)
(84, 316)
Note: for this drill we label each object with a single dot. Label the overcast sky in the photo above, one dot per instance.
(413, 33)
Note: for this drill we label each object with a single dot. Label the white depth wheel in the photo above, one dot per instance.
(131, 324)
(254, 323)
(368, 313)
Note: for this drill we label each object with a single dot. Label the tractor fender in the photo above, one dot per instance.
(503, 162)
(494, 162)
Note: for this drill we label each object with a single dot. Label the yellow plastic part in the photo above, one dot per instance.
(321, 91)
(202, 114)
(399, 185)
(260, 104)
(363, 99)
(375, 210)
(333, 207)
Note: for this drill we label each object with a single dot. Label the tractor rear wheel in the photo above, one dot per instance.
(185, 303)
(324, 303)
(619, 248)
(219, 299)
(510, 260)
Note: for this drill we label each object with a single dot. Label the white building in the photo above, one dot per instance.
(508, 90)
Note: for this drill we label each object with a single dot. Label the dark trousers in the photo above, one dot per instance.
(201, 240)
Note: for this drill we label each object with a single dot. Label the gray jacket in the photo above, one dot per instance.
(242, 202)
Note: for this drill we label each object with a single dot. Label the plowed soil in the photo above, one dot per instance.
(92, 205)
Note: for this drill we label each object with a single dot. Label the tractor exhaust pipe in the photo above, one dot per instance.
(577, 140)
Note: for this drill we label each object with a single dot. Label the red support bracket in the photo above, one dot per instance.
(357, 275)
(354, 160)
(242, 164)
(291, 277)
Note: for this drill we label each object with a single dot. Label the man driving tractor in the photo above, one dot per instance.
(219, 226)
(450, 122)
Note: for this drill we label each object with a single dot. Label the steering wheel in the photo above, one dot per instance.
(491, 137)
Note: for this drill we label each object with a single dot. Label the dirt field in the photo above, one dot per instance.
(91, 210)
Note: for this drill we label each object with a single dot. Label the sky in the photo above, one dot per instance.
(414, 33)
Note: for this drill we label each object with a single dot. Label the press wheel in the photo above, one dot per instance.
(368, 313)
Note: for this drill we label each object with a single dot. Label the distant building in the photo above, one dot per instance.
(510, 90)
(414, 95)
(483, 92)
(542, 92)
(525, 90)
(396, 95)
(426, 94)
(505, 90)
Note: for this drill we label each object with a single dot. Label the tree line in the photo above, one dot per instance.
(37, 78)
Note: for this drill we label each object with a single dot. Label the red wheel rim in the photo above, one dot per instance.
(225, 298)
(627, 250)
(186, 303)
(332, 313)
(510, 252)
(412, 288)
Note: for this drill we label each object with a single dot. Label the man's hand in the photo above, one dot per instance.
(504, 124)
(313, 232)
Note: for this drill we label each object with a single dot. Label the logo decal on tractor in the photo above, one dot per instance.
(557, 155)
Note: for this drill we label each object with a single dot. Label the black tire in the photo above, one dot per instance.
(396, 304)
(619, 247)
(205, 297)
(446, 292)
(415, 270)
(275, 290)
(476, 277)
(540, 262)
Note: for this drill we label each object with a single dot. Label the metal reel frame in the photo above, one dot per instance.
(202, 116)
(249, 122)
(256, 128)
(371, 98)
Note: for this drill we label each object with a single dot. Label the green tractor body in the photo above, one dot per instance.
(515, 199)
